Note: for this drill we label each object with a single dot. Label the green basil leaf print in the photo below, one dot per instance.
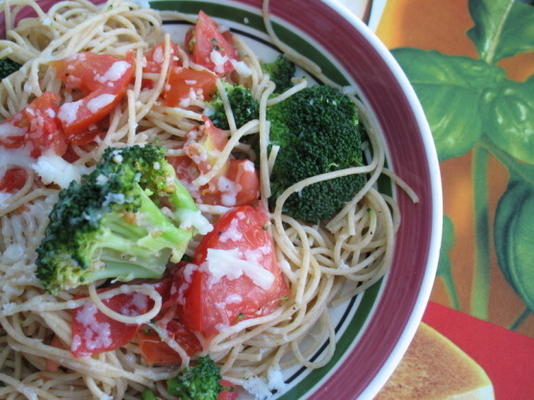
(514, 238)
(444, 265)
(509, 121)
(450, 89)
(502, 28)
(447, 241)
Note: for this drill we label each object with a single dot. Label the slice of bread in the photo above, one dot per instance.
(434, 368)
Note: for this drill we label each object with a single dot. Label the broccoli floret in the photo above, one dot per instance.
(200, 381)
(149, 395)
(244, 107)
(318, 131)
(120, 222)
(7, 67)
(280, 71)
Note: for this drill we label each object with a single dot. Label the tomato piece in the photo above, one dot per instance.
(93, 332)
(185, 84)
(44, 129)
(209, 47)
(53, 365)
(102, 78)
(204, 146)
(13, 180)
(239, 276)
(156, 55)
(36, 126)
(155, 351)
(237, 182)
(226, 394)
(242, 185)
(154, 61)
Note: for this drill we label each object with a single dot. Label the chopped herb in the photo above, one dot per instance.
(215, 44)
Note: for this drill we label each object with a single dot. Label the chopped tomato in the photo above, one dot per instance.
(103, 80)
(44, 129)
(53, 365)
(156, 56)
(209, 47)
(93, 332)
(204, 146)
(152, 348)
(154, 61)
(187, 83)
(239, 278)
(155, 351)
(13, 180)
(36, 127)
(243, 175)
(236, 184)
(227, 394)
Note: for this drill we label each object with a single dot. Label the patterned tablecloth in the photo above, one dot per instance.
(471, 63)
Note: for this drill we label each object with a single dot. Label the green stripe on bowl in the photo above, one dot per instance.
(347, 338)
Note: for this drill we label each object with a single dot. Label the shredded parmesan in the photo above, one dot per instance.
(194, 219)
(54, 169)
(7, 130)
(228, 263)
(99, 102)
(69, 111)
(115, 72)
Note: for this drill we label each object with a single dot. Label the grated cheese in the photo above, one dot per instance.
(14, 158)
(158, 55)
(227, 263)
(229, 190)
(7, 130)
(233, 299)
(219, 60)
(258, 388)
(249, 166)
(99, 102)
(97, 335)
(232, 233)
(114, 73)
(69, 111)
(241, 68)
(54, 169)
(194, 219)
(262, 389)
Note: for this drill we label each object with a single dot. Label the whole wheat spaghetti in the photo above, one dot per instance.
(324, 264)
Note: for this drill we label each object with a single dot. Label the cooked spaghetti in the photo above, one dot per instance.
(324, 264)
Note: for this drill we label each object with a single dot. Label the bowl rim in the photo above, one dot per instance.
(437, 200)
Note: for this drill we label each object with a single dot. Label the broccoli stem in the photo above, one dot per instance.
(147, 231)
(126, 271)
(180, 198)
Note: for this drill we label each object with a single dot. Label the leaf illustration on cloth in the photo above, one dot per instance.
(451, 90)
(509, 118)
(502, 28)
